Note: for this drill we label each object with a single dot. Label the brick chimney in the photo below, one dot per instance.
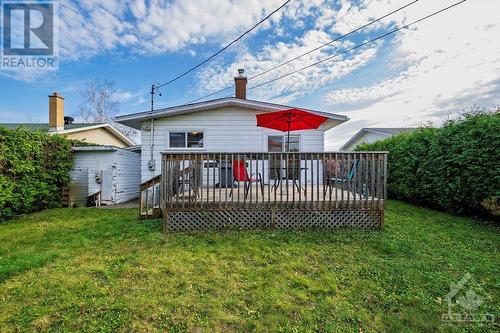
(240, 83)
(56, 112)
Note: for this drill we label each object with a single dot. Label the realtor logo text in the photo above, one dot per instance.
(29, 35)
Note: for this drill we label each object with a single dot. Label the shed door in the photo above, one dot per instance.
(107, 185)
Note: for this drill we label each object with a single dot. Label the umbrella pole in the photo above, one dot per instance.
(289, 124)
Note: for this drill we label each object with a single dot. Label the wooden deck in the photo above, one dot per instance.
(200, 190)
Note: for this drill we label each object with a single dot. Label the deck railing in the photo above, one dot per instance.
(149, 201)
(324, 180)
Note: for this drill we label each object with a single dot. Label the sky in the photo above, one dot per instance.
(424, 74)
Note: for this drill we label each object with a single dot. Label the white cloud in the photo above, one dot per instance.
(152, 27)
(121, 96)
(452, 61)
(331, 19)
(219, 75)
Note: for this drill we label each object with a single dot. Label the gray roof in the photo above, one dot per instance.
(391, 130)
(95, 148)
(135, 119)
(44, 127)
(387, 131)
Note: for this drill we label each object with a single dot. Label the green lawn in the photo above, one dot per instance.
(102, 270)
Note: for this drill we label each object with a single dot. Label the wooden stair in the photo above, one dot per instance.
(65, 196)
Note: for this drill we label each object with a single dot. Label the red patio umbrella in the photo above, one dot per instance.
(290, 120)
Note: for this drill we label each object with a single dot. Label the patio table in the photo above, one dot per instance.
(280, 177)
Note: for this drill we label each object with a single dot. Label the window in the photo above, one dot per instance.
(278, 143)
(177, 140)
(185, 139)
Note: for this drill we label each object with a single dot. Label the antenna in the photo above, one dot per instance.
(154, 91)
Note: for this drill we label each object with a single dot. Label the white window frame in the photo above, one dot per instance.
(266, 143)
(186, 131)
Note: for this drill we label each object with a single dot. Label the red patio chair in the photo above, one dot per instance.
(240, 174)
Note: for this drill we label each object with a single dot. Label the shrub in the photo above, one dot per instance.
(455, 168)
(33, 168)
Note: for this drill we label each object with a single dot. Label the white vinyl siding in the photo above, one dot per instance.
(225, 130)
(122, 168)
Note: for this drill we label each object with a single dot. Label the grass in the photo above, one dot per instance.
(101, 270)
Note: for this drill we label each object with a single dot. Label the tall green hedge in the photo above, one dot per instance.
(455, 168)
(33, 168)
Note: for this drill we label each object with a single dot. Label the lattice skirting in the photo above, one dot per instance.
(266, 219)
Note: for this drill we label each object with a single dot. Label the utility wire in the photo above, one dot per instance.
(224, 48)
(359, 45)
(333, 41)
(312, 50)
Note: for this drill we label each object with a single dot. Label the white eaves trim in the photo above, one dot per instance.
(105, 126)
(134, 120)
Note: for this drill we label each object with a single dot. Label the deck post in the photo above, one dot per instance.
(165, 221)
(273, 218)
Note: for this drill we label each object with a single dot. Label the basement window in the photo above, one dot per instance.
(186, 139)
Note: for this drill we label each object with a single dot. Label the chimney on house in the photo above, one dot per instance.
(56, 112)
(240, 83)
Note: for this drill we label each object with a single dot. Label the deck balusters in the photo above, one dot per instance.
(338, 180)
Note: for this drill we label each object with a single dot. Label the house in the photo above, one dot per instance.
(372, 134)
(208, 165)
(109, 171)
(95, 133)
(220, 125)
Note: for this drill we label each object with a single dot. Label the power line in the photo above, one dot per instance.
(224, 48)
(359, 45)
(334, 40)
(312, 50)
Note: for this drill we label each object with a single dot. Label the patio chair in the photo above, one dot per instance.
(188, 179)
(240, 174)
(334, 176)
(293, 172)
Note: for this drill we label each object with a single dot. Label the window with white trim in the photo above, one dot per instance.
(185, 139)
(279, 143)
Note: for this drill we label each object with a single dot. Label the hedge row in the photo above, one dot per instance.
(455, 168)
(33, 168)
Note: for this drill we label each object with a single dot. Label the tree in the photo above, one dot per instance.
(99, 105)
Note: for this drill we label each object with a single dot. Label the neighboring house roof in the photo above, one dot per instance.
(73, 128)
(134, 120)
(383, 131)
(44, 127)
(390, 131)
(106, 126)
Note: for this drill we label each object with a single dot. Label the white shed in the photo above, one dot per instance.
(115, 172)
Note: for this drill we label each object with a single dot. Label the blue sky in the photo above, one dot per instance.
(426, 73)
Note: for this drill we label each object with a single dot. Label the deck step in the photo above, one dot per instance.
(155, 213)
